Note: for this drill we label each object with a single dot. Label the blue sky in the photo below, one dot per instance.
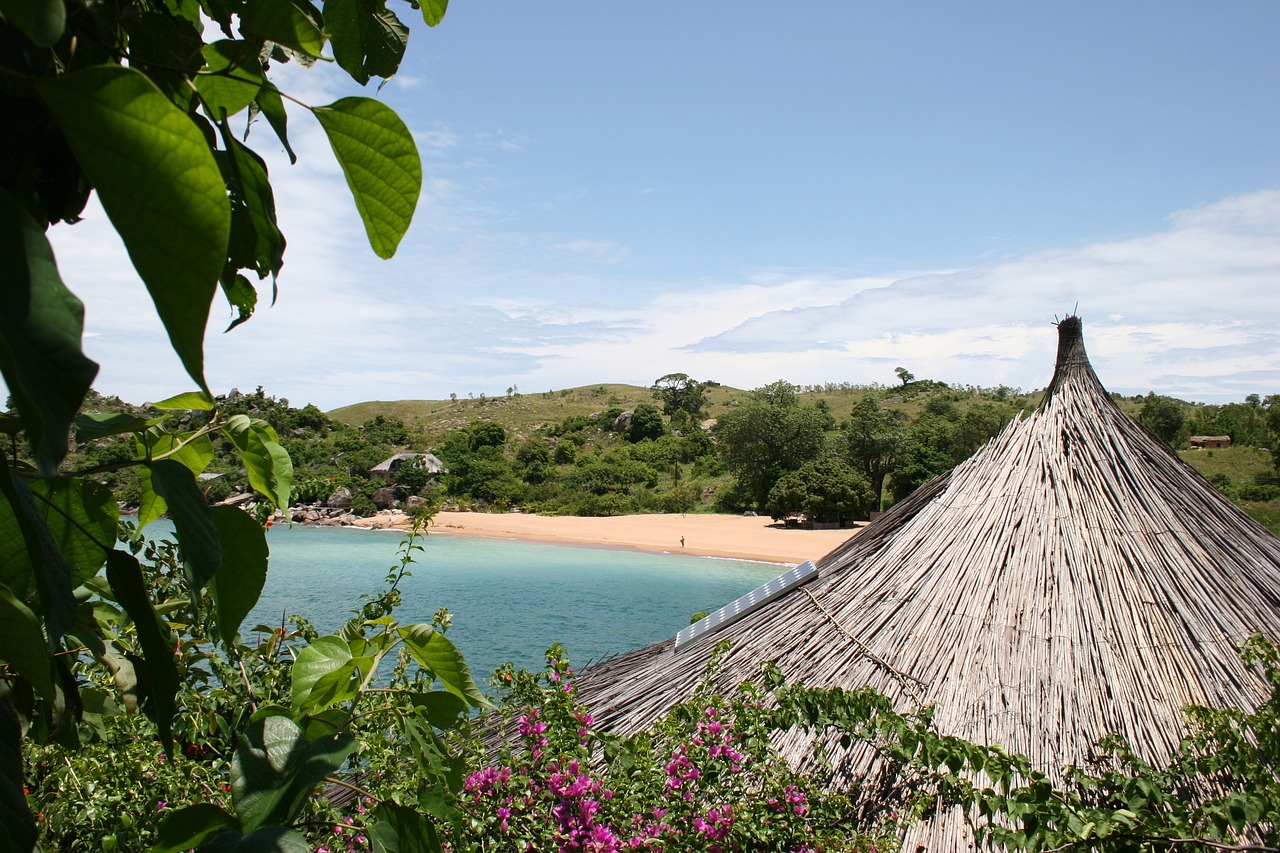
(815, 191)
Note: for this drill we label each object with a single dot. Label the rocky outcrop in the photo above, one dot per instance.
(340, 499)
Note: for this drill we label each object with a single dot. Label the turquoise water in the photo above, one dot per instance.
(509, 600)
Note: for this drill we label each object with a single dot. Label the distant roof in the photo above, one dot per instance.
(430, 462)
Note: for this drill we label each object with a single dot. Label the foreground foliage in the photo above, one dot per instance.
(144, 104)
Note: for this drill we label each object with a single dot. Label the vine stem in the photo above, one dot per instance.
(342, 783)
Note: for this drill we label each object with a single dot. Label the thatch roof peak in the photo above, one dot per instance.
(1072, 579)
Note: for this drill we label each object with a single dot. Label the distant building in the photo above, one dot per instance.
(1209, 442)
(387, 468)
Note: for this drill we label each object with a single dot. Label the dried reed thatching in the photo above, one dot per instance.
(1072, 579)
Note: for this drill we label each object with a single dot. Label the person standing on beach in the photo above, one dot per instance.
(681, 541)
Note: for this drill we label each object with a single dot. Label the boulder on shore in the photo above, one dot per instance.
(340, 499)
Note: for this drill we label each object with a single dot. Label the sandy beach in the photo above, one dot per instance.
(741, 537)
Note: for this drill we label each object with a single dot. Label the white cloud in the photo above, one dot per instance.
(1189, 310)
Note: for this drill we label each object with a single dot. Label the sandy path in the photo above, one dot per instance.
(737, 536)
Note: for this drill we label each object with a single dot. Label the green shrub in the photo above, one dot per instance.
(1259, 493)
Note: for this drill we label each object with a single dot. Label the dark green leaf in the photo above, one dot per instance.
(266, 462)
(433, 11)
(272, 106)
(242, 297)
(192, 520)
(42, 21)
(160, 186)
(368, 39)
(275, 768)
(95, 425)
(125, 576)
(442, 709)
(380, 161)
(195, 454)
(256, 241)
(41, 323)
(437, 654)
(79, 517)
(269, 839)
(243, 572)
(24, 532)
(22, 644)
(231, 77)
(190, 827)
(15, 815)
(402, 830)
(283, 23)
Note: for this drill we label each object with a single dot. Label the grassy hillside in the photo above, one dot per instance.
(524, 414)
(1247, 475)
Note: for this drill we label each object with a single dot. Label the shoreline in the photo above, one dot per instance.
(695, 534)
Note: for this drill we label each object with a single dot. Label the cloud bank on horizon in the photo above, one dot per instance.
(1190, 311)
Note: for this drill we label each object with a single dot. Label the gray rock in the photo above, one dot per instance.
(385, 497)
(340, 499)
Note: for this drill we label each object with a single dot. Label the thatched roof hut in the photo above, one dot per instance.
(1072, 579)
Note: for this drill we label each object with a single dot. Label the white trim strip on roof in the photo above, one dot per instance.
(749, 603)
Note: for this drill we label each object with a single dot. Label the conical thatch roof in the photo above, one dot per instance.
(1072, 579)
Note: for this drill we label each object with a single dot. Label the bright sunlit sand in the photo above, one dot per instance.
(740, 537)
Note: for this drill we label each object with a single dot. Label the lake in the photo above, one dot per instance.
(510, 600)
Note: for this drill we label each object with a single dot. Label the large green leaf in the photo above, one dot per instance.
(192, 520)
(80, 516)
(323, 675)
(125, 576)
(159, 185)
(190, 827)
(275, 768)
(42, 21)
(243, 572)
(188, 400)
(231, 77)
(284, 23)
(22, 644)
(381, 164)
(437, 654)
(41, 324)
(368, 39)
(266, 462)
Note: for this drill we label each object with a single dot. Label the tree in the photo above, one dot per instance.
(129, 101)
(487, 434)
(1163, 417)
(682, 398)
(904, 376)
(646, 422)
(769, 435)
(875, 438)
(825, 490)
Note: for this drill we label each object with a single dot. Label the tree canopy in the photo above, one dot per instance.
(769, 435)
